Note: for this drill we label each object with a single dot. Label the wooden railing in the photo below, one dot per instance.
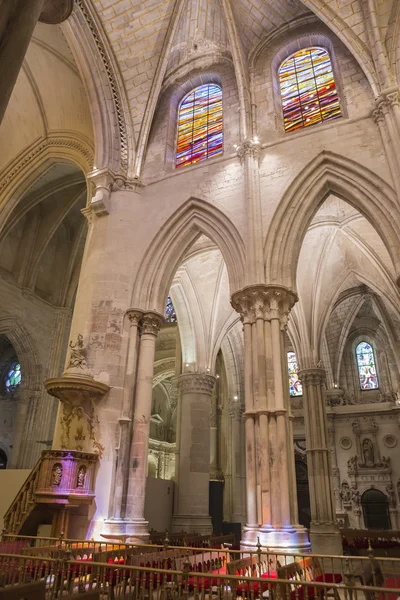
(23, 503)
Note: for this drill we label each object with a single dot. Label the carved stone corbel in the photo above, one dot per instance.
(103, 180)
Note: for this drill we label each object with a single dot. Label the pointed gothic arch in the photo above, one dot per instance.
(169, 246)
(29, 165)
(26, 350)
(327, 174)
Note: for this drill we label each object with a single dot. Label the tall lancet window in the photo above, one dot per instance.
(366, 366)
(295, 387)
(200, 134)
(170, 314)
(308, 89)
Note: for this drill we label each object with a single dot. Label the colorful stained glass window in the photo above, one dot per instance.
(295, 387)
(366, 366)
(308, 89)
(200, 134)
(170, 314)
(13, 377)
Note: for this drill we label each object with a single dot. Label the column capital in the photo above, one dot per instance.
(235, 409)
(393, 98)
(378, 116)
(196, 383)
(312, 376)
(134, 316)
(55, 12)
(151, 322)
(264, 302)
(248, 148)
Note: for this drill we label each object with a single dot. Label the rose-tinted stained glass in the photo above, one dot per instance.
(200, 134)
(295, 387)
(366, 366)
(308, 89)
(13, 377)
(170, 314)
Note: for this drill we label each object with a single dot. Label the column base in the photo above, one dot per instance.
(131, 530)
(192, 524)
(326, 539)
(288, 539)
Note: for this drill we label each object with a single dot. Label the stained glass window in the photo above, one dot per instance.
(200, 133)
(170, 314)
(295, 387)
(13, 377)
(366, 366)
(308, 89)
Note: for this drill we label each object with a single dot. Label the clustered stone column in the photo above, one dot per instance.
(324, 531)
(128, 512)
(192, 504)
(18, 19)
(271, 496)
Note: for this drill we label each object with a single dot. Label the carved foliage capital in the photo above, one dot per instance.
(235, 409)
(196, 383)
(313, 376)
(134, 316)
(264, 302)
(393, 98)
(378, 116)
(248, 148)
(151, 322)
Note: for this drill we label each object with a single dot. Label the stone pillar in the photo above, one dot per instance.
(236, 409)
(136, 527)
(271, 515)
(18, 19)
(194, 456)
(324, 531)
(125, 420)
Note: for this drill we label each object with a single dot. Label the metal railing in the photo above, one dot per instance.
(114, 568)
(113, 582)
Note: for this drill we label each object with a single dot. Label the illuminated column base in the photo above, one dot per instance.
(288, 539)
(124, 530)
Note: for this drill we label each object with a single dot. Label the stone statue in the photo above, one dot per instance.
(56, 474)
(386, 462)
(368, 453)
(81, 477)
(345, 493)
(391, 495)
(355, 496)
(352, 463)
(77, 357)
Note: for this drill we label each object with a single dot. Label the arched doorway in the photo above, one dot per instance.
(3, 459)
(303, 494)
(375, 507)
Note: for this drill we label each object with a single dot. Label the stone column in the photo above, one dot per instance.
(136, 526)
(125, 420)
(236, 409)
(269, 450)
(335, 468)
(18, 19)
(324, 531)
(194, 456)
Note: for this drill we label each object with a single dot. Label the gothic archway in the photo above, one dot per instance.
(375, 507)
